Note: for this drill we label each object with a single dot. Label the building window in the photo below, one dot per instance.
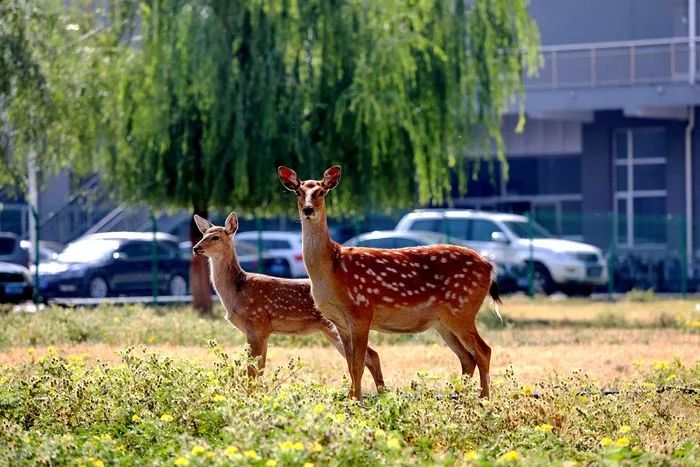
(640, 186)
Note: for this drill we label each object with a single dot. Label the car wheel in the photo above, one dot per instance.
(543, 282)
(98, 288)
(177, 286)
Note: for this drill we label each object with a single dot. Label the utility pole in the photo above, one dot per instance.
(34, 222)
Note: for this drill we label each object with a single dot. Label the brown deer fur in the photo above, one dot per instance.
(261, 305)
(405, 290)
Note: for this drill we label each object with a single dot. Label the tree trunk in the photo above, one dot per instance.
(199, 272)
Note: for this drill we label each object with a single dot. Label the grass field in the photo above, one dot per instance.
(134, 385)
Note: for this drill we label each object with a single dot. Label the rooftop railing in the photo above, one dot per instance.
(652, 61)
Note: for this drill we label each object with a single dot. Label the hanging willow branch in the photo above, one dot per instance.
(219, 93)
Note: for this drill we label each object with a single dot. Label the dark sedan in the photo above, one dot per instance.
(15, 283)
(115, 263)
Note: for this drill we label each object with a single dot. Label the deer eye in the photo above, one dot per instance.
(215, 238)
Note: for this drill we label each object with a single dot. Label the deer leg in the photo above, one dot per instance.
(346, 339)
(258, 350)
(359, 337)
(466, 356)
(471, 339)
(371, 358)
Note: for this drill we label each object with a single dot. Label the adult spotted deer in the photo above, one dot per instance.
(261, 305)
(406, 290)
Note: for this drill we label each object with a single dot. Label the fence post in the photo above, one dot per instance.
(684, 259)
(611, 256)
(531, 262)
(446, 227)
(154, 260)
(258, 226)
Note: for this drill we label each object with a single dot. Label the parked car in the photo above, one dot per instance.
(510, 277)
(15, 283)
(285, 244)
(48, 251)
(115, 263)
(273, 265)
(11, 250)
(559, 264)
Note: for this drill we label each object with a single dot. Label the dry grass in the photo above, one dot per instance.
(606, 355)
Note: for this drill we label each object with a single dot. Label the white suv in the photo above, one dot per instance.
(573, 267)
(286, 244)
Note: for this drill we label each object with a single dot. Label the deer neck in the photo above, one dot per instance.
(317, 247)
(225, 274)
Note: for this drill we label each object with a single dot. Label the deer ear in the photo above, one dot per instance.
(202, 224)
(331, 177)
(231, 223)
(288, 177)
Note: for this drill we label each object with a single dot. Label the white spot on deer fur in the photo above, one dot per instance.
(428, 284)
(425, 266)
(473, 283)
(343, 266)
(453, 256)
(410, 292)
(362, 279)
(469, 263)
(443, 260)
(383, 273)
(388, 299)
(403, 294)
(447, 281)
(391, 270)
(356, 276)
(465, 288)
(403, 276)
(433, 258)
(456, 285)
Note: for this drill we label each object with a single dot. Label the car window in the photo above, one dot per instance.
(482, 230)
(276, 244)
(458, 228)
(428, 225)
(405, 242)
(377, 243)
(7, 245)
(136, 250)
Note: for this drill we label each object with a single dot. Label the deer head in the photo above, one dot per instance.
(310, 193)
(217, 241)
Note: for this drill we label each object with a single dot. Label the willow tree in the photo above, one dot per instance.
(52, 80)
(218, 93)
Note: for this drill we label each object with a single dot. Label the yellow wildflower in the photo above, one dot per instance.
(166, 418)
(315, 447)
(150, 339)
(275, 405)
(231, 451)
(31, 351)
(625, 429)
(96, 462)
(52, 351)
(197, 450)
(250, 454)
(339, 417)
(271, 463)
(210, 454)
(308, 464)
(285, 446)
(622, 442)
(218, 398)
(182, 461)
(318, 408)
(379, 433)
(116, 320)
(135, 418)
(606, 441)
(472, 455)
(545, 428)
(393, 443)
(298, 446)
(527, 391)
(510, 456)
(661, 365)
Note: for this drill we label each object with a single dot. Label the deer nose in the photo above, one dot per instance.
(197, 250)
(308, 210)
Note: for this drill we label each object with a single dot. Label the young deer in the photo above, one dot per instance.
(406, 290)
(261, 305)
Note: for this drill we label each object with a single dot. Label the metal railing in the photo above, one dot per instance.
(649, 61)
